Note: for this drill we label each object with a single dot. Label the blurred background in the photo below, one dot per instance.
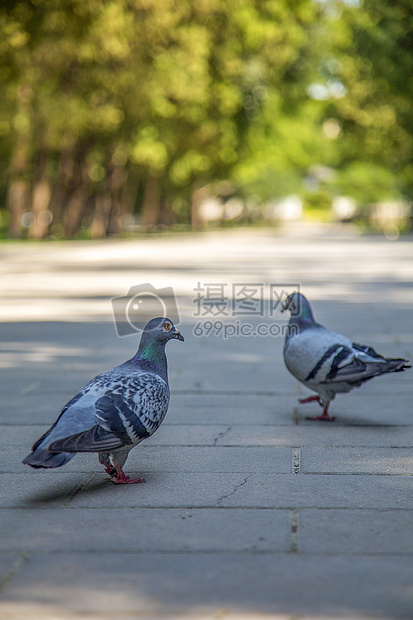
(122, 116)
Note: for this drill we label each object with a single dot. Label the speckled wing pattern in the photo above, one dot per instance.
(128, 408)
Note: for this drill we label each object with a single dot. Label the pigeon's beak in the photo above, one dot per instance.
(177, 334)
(285, 305)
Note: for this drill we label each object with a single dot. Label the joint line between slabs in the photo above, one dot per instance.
(294, 527)
(75, 492)
(296, 460)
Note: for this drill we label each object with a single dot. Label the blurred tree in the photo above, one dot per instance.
(110, 107)
(371, 64)
(97, 91)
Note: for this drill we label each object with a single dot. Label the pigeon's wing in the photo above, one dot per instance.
(96, 439)
(135, 407)
(78, 414)
(345, 366)
(363, 348)
(129, 411)
(316, 352)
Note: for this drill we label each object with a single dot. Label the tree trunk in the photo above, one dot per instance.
(41, 199)
(117, 181)
(151, 203)
(75, 209)
(199, 194)
(79, 190)
(107, 215)
(17, 205)
(65, 175)
(18, 189)
(166, 217)
(103, 205)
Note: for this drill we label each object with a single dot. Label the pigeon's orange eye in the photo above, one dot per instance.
(167, 326)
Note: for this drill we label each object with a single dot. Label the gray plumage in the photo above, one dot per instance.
(326, 362)
(115, 411)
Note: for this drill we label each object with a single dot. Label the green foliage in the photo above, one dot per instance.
(373, 47)
(114, 106)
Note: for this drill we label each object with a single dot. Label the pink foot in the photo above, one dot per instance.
(324, 417)
(121, 477)
(126, 480)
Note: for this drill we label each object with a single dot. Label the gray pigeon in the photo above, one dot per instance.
(325, 362)
(114, 411)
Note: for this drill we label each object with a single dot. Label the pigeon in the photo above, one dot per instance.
(325, 362)
(115, 411)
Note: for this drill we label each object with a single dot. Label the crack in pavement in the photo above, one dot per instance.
(235, 489)
(221, 435)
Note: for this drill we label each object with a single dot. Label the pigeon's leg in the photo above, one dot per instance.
(310, 399)
(122, 478)
(324, 417)
(109, 468)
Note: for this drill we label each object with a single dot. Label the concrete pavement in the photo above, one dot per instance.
(249, 510)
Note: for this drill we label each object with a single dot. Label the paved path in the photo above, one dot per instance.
(249, 510)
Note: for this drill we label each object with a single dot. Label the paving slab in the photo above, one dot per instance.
(175, 459)
(249, 510)
(317, 434)
(341, 491)
(23, 490)
(145, 530)
(246, 490)
(155, 583)
(9, 565)
(194, 407)
(244, 434)
(357, 460)
(356, 532)
(167, 435)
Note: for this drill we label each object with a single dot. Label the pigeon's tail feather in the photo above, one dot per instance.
(47, 433)
(393, 364)
(360, 370)
(42, 458)
(374, 369)
(396, 364)
(96, 439)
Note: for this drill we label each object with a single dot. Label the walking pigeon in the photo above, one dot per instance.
(326, 362)
(114, 411)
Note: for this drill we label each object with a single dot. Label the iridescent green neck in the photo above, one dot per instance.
(152, 352)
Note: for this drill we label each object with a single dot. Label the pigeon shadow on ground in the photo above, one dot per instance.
(92, 484)
(65, 492)
(49, 495)
(348, 421)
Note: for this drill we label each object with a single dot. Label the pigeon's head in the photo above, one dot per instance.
(161, 329)
(298, 305)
